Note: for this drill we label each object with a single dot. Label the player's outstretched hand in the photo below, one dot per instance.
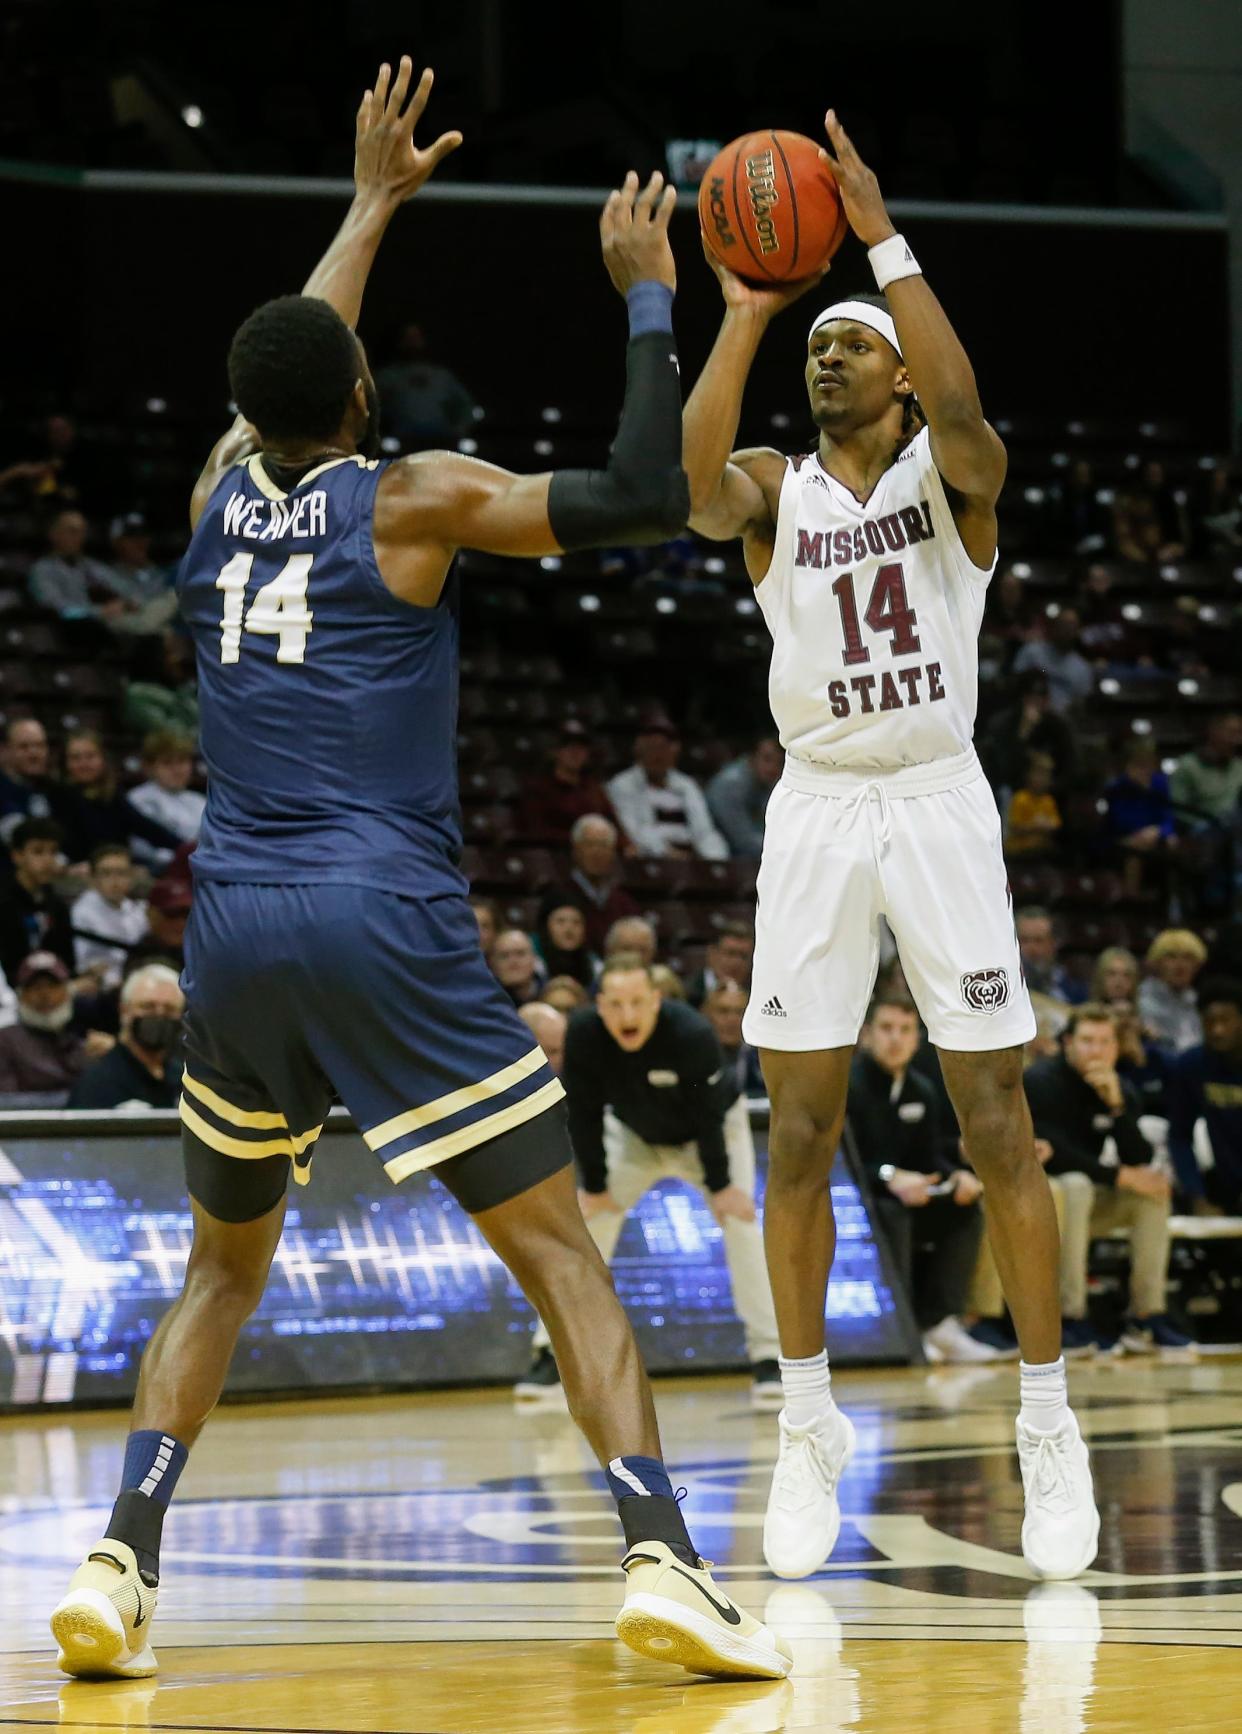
(387, 162)
(763, 299)
(633, 234)
(861, 197)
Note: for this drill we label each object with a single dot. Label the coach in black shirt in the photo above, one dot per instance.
(650, 1098)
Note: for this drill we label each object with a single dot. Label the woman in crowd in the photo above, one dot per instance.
(561, 942)
(1115, 981)
(91, 809)
(1167, 1002)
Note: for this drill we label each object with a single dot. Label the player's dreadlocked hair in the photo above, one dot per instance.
(912, 417)
(293, 366)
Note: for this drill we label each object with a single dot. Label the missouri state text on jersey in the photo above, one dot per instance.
(874, 609)
(328, 706)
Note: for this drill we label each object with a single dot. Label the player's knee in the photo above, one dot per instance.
(801, 1149)
(227, 1286)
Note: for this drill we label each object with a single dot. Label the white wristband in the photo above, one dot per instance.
(892, 259)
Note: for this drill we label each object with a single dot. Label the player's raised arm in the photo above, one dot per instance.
(968, 453)
(389, 168)
(733, 493)
(445, 501)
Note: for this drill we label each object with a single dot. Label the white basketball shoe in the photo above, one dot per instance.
(103, 1623)
(1061, 1531)
(803, 1517)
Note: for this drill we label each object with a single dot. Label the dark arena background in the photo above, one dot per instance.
(377, 1532)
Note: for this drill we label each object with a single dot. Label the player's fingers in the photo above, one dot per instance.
(829, 161)
(405, 71)
(645, 202)
(837, 133)
(418, 102)
(381, 88)
(625, 201)
(664, 210)
(444, 146)
(364, 113)
(608, 219)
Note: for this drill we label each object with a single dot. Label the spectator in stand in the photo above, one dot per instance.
(170, 703)
(67, 581)
(145, 588)
(91, 809)
(32, 916)
(1206, 1084)
(548, 1027)
(663, 811)
(646, 1102)
(424, 404)
(1149, 520)
(724, 1008)
(730, 957)
(1083, 524)
(1115, 979)
(594, 882)
(1029, 725)
(168, 910)
(516, 967)
(1006, 616)
(935, 1235)
(1140, 810)
(632, 933)
(166, 797)
(144, 1067)
(553, 803)
(565, 995)
(1143, 1067)
(1033, 819)
(75, 475)
(42, 1053)
(738, 796)
(1037, 942)
(668, 981)
(1167, 1001)
(488, 917)
(562, 946)
(1080, 1106)
(26, 789)
(107, 921)
(1207, 782)
(1220, 512)
(1057, 656)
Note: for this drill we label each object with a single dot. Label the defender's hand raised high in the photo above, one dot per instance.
(633, 234)
(387, 162)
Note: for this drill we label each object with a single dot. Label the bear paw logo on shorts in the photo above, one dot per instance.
(986, 990)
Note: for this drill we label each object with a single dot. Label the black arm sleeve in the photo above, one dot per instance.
(643, 496)
(580, 1076)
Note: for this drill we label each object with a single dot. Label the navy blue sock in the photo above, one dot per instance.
(153, 1463)
(647, 1506)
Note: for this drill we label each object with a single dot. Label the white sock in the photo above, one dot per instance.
(1045, 1397)
(808, 1389)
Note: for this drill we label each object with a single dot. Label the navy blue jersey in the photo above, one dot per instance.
(328, 706)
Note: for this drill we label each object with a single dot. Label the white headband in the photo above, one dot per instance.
(862, 313)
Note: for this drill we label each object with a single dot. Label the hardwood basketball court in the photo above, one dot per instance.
(446, 1565)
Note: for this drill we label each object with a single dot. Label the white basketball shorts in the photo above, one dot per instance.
(920, 846)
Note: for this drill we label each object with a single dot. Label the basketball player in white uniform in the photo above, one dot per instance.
(871, 558)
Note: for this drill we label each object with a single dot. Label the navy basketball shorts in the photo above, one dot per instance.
(297, 994)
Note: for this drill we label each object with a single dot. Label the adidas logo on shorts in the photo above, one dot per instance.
(773, 1009)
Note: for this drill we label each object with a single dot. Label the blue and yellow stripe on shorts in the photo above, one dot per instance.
(465, 1117)
(242, 1132)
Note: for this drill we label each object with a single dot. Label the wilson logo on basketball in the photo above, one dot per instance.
(761, 186)
(986, 990)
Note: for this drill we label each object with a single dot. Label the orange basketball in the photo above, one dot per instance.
(770, 209)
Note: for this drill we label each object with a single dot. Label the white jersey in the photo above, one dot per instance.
(874, 612)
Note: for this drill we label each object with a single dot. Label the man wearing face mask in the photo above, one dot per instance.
(144, 1068)
(42, 1053)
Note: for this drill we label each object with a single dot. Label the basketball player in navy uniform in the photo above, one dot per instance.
(331, 944)
(871, 558)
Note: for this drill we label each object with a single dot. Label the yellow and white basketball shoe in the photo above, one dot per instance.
(674, 1613)
(102, 1624)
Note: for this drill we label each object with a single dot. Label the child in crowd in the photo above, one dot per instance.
(1034, 819)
